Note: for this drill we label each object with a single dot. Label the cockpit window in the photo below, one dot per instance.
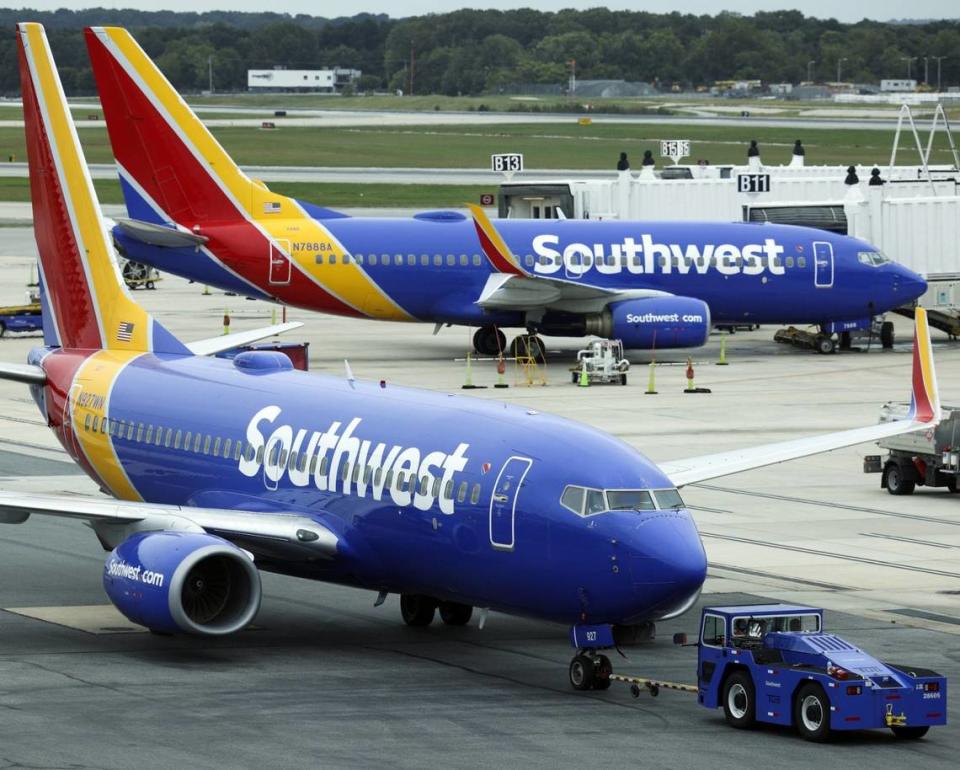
(668, 498)
(595, 502)
(872, 258)
(573, 499)
(630, 500)
(586, 502)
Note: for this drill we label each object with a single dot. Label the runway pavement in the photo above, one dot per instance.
(327, 680)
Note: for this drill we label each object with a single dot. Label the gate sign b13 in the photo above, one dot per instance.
(510, 162)
(753, 183)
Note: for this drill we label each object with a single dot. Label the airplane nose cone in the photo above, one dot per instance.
(909, 285)
(668, 564)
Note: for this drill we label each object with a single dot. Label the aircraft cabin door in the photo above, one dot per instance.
(576, 262)
(503, 502)
(822, 264)
(66, 417)
(280, 267)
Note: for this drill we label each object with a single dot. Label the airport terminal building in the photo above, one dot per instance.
(325, 81)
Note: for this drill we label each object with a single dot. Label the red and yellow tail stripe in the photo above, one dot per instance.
(89, 303)
(493, 245)
(925, 400)
(89, 409)
(182, 167)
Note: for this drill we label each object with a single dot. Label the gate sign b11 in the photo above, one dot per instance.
(674, 148)
(507, 163)
(753, 183)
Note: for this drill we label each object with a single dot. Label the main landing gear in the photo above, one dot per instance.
(489, 341)
(419, 610)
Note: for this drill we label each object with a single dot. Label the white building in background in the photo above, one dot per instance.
(327, 81)
(901, 85)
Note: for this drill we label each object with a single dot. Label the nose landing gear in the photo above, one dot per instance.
(590, 671)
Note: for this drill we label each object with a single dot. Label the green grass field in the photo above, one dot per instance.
(331, 195)
(546, 146)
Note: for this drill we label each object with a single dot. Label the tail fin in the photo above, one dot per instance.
(87, 301)
(494, 247)
(925, 399)
(171, 167)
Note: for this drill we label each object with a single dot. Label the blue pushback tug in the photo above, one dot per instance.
(774, 663)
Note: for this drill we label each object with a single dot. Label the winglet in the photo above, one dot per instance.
(493, 245)
(925, 400)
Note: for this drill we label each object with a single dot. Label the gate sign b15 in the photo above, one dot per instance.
(753, 183)
(510, 162)
(674, 148)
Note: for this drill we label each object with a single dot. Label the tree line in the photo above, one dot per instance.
(481, 51)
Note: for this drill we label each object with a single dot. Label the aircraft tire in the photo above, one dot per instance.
(417, 610)
(582, 673)
(454, 614)
(886, 335)
(537, 350)
(489, 341)
(602, 673)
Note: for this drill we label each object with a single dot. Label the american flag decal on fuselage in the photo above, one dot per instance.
(125, 332)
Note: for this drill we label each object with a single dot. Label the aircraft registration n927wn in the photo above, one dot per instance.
(193, 212)
(249, 465)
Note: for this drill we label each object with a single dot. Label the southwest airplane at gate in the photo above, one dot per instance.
(247, 465)
(193, 212)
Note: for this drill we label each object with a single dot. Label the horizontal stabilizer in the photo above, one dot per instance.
(209, 347)
(28, 373)
(159, 235)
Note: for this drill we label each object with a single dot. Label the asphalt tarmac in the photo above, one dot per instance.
(325, 679)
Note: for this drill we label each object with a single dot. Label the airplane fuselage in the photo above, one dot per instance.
(432, 494)
(432, 267)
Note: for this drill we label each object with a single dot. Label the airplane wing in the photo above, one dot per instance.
(290, 534)
(513, 288)
(213, 345)
(924, 414)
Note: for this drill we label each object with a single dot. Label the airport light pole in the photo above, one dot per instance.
(909, 60)
(939, 59)
(840, 62)
(810, 70)
(573, 77)
(210, 71)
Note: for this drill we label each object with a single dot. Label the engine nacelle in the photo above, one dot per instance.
(187, 582)
(656, 322)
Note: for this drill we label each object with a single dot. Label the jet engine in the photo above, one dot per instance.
(186, 582)
(655, 322)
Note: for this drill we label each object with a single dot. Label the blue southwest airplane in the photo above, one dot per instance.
(193, 212)
(249, 465)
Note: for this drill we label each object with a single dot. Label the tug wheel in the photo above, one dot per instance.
(811, 713)
(825, 345)
(739, 700)
(910, 733)
(897, 483)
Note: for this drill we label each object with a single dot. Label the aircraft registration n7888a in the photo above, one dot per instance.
(193, 212)
(248, 465)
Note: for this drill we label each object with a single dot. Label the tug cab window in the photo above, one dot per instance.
(712, 633)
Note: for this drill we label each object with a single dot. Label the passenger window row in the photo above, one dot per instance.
(399, 260)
